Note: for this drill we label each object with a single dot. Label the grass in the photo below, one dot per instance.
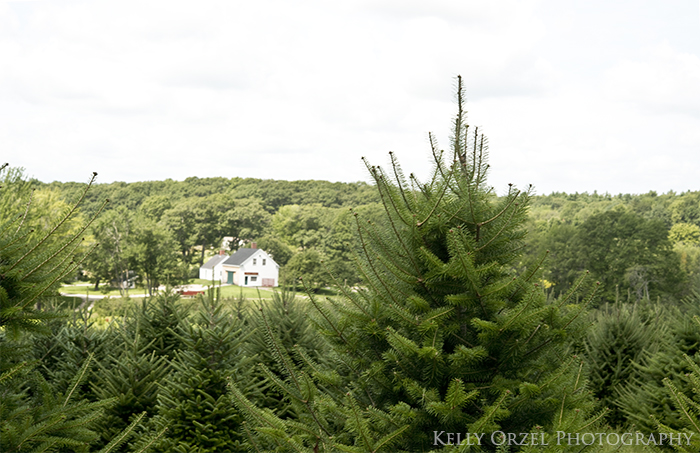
(232, 291)
(111, 293)
(112, 303)
(104, 290)
(201, 281)
(108, 308)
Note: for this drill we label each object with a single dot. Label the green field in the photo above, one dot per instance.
(82, 290)
(233, 291)
(226, 290)
(110, 302)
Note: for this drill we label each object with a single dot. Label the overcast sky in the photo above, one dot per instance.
(573, 96)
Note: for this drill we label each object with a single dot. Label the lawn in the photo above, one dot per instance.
(201, 281)
(108, 301)
(233, 291)
(227, 291)
(82, 290)
(116, 306)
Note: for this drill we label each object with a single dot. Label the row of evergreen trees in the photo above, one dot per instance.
(172, 361)
(442, 337)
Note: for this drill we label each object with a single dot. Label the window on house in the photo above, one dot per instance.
(253, 279)
(264, 260)
(254, 260)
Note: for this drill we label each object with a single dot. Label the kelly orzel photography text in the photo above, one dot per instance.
(441, 438)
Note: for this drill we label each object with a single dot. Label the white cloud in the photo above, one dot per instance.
(660, 80)
(298, 90)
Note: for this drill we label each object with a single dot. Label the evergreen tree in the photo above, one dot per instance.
(65, 351)
(31, 269)
(620, 337)
(35, 416)
(647, 396)
(686, 404)
(131, 375)
(444, 337)
(157, 321)
(192, 402)
(287, 319)
(146, 340)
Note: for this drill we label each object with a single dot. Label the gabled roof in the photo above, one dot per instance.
(240, 256)
(214, 261)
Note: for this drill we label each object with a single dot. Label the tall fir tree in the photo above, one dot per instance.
(646, 395)
(192, 402)
(133, 372)
(685, 403)
(285, 317)
(157, 321)
(620, 337)
(131, 375)
(443, 336)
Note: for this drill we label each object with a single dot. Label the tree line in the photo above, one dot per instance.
(638, 246)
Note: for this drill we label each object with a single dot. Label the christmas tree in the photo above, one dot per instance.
(285, 317)
(686, 406)
(646, 400)
(621, 336)
(443, 336)
(36, 414)
(193, 413)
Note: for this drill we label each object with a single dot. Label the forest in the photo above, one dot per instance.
(442, 315)
(655, 238)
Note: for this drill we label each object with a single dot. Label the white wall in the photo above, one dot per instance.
(205, 274)
(269, 270)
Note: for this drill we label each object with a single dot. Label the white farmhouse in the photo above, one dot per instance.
(246, 267)
(211, 270)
